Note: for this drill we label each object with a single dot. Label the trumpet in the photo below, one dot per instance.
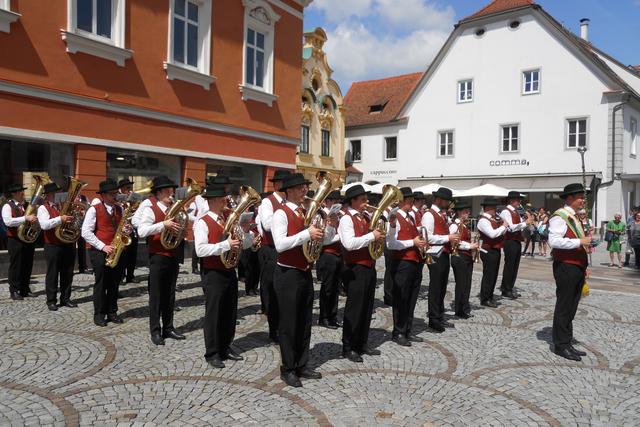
(424, 252)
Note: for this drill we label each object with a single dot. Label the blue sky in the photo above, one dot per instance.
(371, 39)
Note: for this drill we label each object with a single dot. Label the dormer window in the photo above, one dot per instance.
(378, 106)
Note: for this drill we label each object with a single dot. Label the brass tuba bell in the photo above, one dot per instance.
(390, 195)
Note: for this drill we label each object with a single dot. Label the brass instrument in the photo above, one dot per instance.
(248, 197)
(29, 232)
(315, 217)
(122, 238)
(424, 254)
(69, 232)
(475, 238)
(390, 195)
(169, 239)
(257, 243)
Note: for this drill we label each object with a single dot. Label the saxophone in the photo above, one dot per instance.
(248, 197)
(315, 217)
(70, 232)
(29, 232)
(390, 195)
(122, 239)
(168, 238)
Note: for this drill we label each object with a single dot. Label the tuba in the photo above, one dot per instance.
(328, 181)
(248, 197)
(122, 239)
(390, 195)
(168, 238)
(29, 232)
(70, 232)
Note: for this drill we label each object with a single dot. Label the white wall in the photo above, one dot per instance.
(373, 165)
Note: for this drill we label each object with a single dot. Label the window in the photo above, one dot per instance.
(6, 16)
(576, 133)
(304, 141)
(633, 130)
(465, 91)
(445, 143)
(255, 70)
(391, 148)
(510, 135)
(326, 142)
(531, 82)
(95, 17)
(356, 150)
(185, 32)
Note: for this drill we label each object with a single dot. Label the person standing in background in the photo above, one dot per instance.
(615, 229)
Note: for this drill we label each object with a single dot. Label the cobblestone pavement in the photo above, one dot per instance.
(57, 368)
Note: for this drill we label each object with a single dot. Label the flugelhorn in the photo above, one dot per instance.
(390, 195)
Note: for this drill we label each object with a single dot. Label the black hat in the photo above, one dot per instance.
(124, 182)
(14, 188)
(490, 201)
(218, 180)
(443, 193)
(353, 192)
(406, 192)
(265, 194)
(107, 186)
(514, 195)
(462, 204)
(334, 195)
(214, 191)
(419, 195)
(51, 187)
(162, 181)
(292, 180)
(571, 189)
(280, 175)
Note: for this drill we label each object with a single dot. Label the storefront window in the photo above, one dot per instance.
(239, 173)
(140, 166)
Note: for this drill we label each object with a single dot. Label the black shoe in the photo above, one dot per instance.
(16, 296)
(274, 339)
(335, 323)
(195, 271)
(448, 324)
(489, 303)
(177, 308)
(388, 302)
(576, 351)
(52, 306)
(402, 340)
(157, 339)
(370, 351)
(113, 317)
(28, 294)
(510, 295)
(326, 324)
(232, 355)
(352, 356)
(414, 338)
(464, 315)
(69, 304)
(215, 362)
(436, 327)
(173, 335)
(567, 354)
(309, 374)
(99, 321)
(291, 379)
(133, 280)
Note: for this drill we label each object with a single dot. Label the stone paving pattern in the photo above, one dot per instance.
(57, 368)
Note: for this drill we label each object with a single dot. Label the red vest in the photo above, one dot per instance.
(106, 225)
(360, 256)
(408, 231)
(16, 211)
(267, 237)
(154, 241)
(293, 257)
(215, 236)
(576, 256)
(488, 242)
(441, 228)
(515, 219)
(50, 235)
(418, 214)
(465, 236)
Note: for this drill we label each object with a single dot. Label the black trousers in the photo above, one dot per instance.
(130, 257)
(512, 254)
(360, 282)
(329, 269)
(82, 255)
(294, 291)
(438, 278)
(636, 251)
(221, 311)
(163, 274)
(569, 281)
(105, 290)
(406, 287)
(20, 265)
(463, 272)
(61, 260)
(251, 266)
(389, 265)
(490, 267)
(267, 256)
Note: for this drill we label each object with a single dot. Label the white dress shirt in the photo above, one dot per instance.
(8, 219)
(392, 234)
(199, 207)
(89, 227)
(95, 201)
(138, 215)
(45, 220)
(147, 225)
(330, 233)
(506, 217)
(348, 236)
(429, 222)
(464, 245)
(486, 228)
(279, 225)
(558, 229)
(201, 239)
(265, 213)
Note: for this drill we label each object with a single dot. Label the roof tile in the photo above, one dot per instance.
(497, 6)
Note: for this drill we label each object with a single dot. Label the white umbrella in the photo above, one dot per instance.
(366, 187)
(428, 189)
(377, 188)
(485, 190)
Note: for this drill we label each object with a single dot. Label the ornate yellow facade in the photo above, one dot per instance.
(322, 124)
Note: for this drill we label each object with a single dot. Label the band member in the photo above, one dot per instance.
(130, 255)
(163, 263)
(20, 253)
(359, 277)
(267, 253)
(60, 257)
(419, 200)
(462, 264)
(492, 234)
(512, 243)
(293, 282)
(249, 259)
(405, 242)
(329, 268)
(570, 260)
(220, 283)
(435, 220)
(98, 229)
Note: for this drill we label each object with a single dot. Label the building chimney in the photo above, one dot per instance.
(584, 29)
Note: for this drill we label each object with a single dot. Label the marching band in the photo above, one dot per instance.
(280, 242)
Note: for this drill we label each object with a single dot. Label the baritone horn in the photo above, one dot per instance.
(69, 232)
(169, 239)
(315, 216)
(390, 195)
(248, 197)
(29, 232)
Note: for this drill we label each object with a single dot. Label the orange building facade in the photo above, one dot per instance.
(137, 88)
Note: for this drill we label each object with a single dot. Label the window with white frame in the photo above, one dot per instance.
(465, 91)
(633, 130)
(255, 55)
(445, 143)
(531, 82)
(7, 17)
(5, 4)
(576, 133)
(356, 150)
(391, 148)
(510, 138)
(304, 139)
(326, 142)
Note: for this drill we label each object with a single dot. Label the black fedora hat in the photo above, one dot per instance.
(214, 191)
(443, 193)
(107, 186)
(334, 195)
(406, 192)
(51, 187)
(280, 175)
(419, 195)
(294, 179)
(462, 204)
(14, 188)
(353, 192)
(162, 181)
(218, 180)
(490, 201)
(514, 195)
(570, 189)
(124, 182)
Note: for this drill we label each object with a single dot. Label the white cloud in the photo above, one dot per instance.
(415, 14)
(338, 10)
